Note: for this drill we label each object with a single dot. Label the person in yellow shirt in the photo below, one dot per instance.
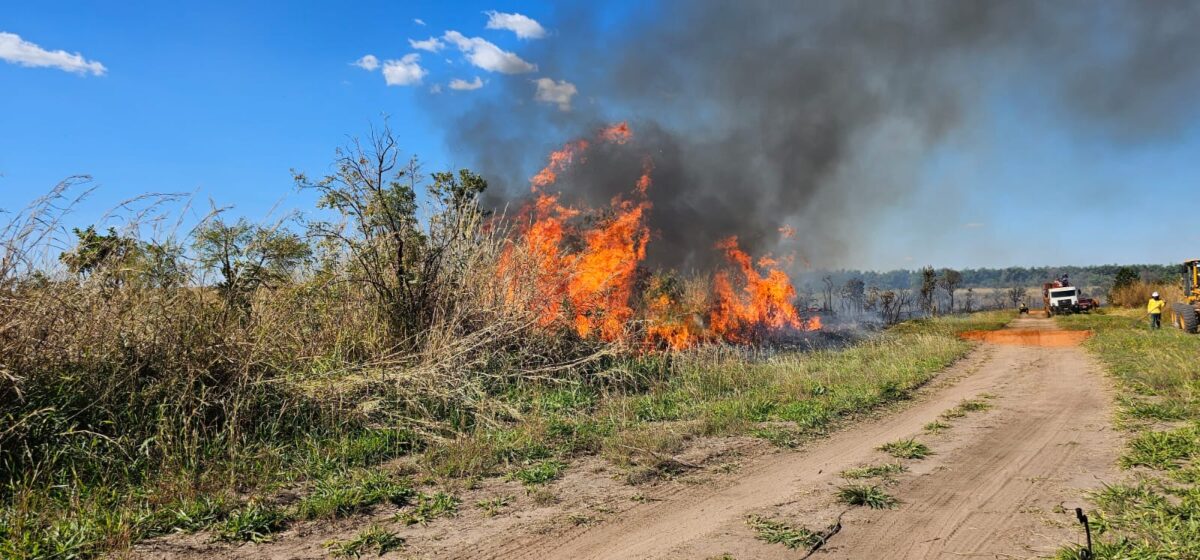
(1155, 309)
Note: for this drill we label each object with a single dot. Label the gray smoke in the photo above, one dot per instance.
(818, 114)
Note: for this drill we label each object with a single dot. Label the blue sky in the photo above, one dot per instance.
(224, 98)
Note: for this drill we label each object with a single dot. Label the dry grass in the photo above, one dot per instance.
(1136, 295)
(131, 407)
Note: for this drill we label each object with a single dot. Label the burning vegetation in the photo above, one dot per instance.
(586, 269)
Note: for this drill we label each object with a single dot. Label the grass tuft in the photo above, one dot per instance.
(492, 506)
(1166, 450)
(539, 473)
(347, 493)
(778, 532)
(375, 538)
(430, 507)
(866, 495)
(906, 449)
(886, 470)
(936, 427)
(253, 522)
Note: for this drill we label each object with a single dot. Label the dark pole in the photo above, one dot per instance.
(1087, 530)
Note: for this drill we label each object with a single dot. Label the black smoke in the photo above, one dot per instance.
(817, 114)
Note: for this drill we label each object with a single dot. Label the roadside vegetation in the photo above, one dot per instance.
(1152, 514)
(154, 382)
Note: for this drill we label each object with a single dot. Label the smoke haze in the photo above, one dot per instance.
(818, 115)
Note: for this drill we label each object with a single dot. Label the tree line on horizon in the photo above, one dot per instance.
(1097, 276)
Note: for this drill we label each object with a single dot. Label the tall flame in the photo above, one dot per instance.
(585, 266)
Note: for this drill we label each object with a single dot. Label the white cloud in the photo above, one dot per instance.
(368, 63)
(973, 225)
(524, 26)
(463, 85)
(435, 88)
(432, 44)
(487, 56)
(404, 72)
(22, 52)
(418, 21)
(559, 93)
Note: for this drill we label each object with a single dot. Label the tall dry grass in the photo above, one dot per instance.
(117, 392)
(1136, 294)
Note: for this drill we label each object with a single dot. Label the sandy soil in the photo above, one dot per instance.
(1002, 483)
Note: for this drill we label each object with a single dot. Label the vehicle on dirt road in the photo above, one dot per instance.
(1060, 298)
(1187, 312)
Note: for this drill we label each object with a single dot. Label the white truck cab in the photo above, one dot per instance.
(1064, 298)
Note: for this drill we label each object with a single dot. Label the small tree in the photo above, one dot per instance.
(871, 301)
(1015, 295)
(950, 280)
(110, 254)
(853, 293)
(928, 289)
(1126, 276)
(248, 257)
(410, 269)
(827, 292)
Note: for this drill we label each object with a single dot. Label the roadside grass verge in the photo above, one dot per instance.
(1153, 514)
(636, 411)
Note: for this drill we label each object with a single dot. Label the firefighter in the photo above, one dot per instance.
(1155, 309)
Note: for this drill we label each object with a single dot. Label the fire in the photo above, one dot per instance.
(591, 286)
(618, 133)
(763, 302)
(586, 262)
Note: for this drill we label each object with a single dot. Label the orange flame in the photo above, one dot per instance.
(586, 263)
(617, 134)
(764, 301)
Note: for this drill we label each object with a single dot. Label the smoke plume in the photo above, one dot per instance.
(816, 114)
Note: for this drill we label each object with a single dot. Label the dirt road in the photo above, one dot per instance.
(1002, 483)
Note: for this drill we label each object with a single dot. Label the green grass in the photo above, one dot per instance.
(1154, 515)
(492, 506)
(886, 470)
(936, 427)
(375, 539)
(906, 449)
(1162, 450)
(868, 495)
(966, 407)
(430, 507)
(253, 522)
(344, 494)
(778, 532)
(540, 472)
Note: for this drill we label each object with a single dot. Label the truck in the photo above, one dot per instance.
(1061, 298)
(1187, 312)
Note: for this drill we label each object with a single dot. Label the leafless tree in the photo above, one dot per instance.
(1015, 295)
(827, 292)
(950, 280)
